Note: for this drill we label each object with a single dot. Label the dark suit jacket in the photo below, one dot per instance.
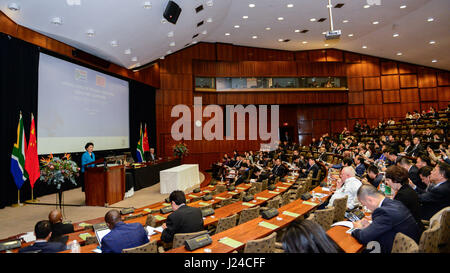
(413, 174)
(124, 236)
(360, 169)
(314, 168)
(410, 199)
(279, 170)
(44, 247)
(376, 181)
(58, 230)
(434, 200)
(389, 219)
(416, 150)
(184, 220)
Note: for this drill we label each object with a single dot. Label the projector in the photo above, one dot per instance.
(331, 35)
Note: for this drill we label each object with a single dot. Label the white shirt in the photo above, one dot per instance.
(349, 188)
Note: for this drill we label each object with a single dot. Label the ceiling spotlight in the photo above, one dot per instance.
(170, 34)
(227, 34)
(431, 19)
(134, 59)
(251, 5)
(345, 21)
(194, 42)
(364, 46)
(268, 28)
(14, 6)
(290, 5)
(399, 54)
(57, 21)
(254, 37)
(304, 42)
(350, 35)
(90, 32)
(169, 51)
(403, 6)
(326, 44)
(434, 61)
(280, 40)
(127, 51)
(163, 21)
(172, 44)
(209, 20)
(395, 35)
(366, 6)
(204, 32)
(432, 42)
(210, 3)
(147, 5)
(297, 30)
(280, 18)
(312, 19)
(73, 2)
(114, 43)
(245, 17)
(375, 22)
(236, 26)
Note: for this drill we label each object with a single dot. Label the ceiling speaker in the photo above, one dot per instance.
(172, 12)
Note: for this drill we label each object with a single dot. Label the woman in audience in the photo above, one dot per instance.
(305, 236)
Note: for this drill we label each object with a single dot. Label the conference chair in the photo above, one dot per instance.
(285, 199)
(340, 206)
(297, 193)
(238, 197)
(225, 223)
(404, 244)
(195, 199)
(264, 184)
(220, 188)
(150, 220)
(274, 203)
(180, 238)
(249, 214)
(443, 217)
(258, 186)
(323, 217)
(225, 202)
(429, 240)
(263, 245)
(252, 191)
(149, 247)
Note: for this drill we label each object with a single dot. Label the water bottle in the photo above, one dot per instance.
(75, 247)
(382, 187)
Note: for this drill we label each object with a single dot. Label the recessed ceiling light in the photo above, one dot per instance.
(312, 19)
(375, 22)
(147, 5)
(345, 21)
(14, 6)
(73, 2)
(162, 58)
(403, 6)
(169, 51)
(268, 28)
(431, 19)
(209, 20)
(350, 35)
(204, 32)
(366, 6)
(134, 59)
(399, 54)
(90, 32)
(297, 30)
(280, 40)
(227, 34)
(323, 33)
(432, 42)
(172, 44)
(304, 42)
(251, 5)
(210, 3)
(290, 5)
(163, 21)
(280, 18)
(114, 43)
(57, 21)
(326, 44)
(254, 37)
(194, 42)
(395, 35)
(245, 17)
(364, 46)
(434, 61)
(127, 51)
(236, 26)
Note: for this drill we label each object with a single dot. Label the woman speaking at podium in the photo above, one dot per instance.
(86, 158)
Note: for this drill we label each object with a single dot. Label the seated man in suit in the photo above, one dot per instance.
(388, 218)
(43, 232)
(438, 196)
(152, 155)
(413, 172)
(58, 227)
(374, 177)
(417, 148)
(278, 170)
(122, 235)
(311, 167)
(348, 185)
(360, 167)
(183, 219)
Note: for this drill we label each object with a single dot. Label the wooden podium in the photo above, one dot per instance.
(104, 185)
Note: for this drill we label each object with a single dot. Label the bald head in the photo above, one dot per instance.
(112, 217)
(55, 216)
(347, 172)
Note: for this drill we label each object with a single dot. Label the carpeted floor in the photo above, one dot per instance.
(15, 220)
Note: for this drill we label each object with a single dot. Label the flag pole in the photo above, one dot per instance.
(18, 200)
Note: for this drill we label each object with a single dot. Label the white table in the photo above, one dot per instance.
(179, 178)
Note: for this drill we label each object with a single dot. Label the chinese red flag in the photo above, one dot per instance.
(145, 145)
(31, 157)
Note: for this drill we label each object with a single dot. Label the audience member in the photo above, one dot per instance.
(43, 232)
(58, 227)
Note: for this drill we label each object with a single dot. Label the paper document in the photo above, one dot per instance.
(151, 230)
(343, 223)
(28, 237)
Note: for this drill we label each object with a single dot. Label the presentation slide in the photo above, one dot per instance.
(77, 105)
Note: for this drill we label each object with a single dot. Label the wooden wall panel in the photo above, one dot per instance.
(407, 81)
(373, 111)
(317, 55)
(390, 82)
(427, 78)
(355, 84)
(444, 93)
(301, 56)
(371, 83)
(390, 96)
(428, 94)
(373, 97)
(409, 95)
(393, 110)
(389, 68)
(356, 98)
(335, 55)
(355, 111)
(443, 78)
(406, 68)
(351, 57)
(305, 126)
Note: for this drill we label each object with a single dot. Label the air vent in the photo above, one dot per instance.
(194, 36)
(200, 23)
(338, 6)
(286, 40)
(304, 31)
(321, 19)
(199, 8)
